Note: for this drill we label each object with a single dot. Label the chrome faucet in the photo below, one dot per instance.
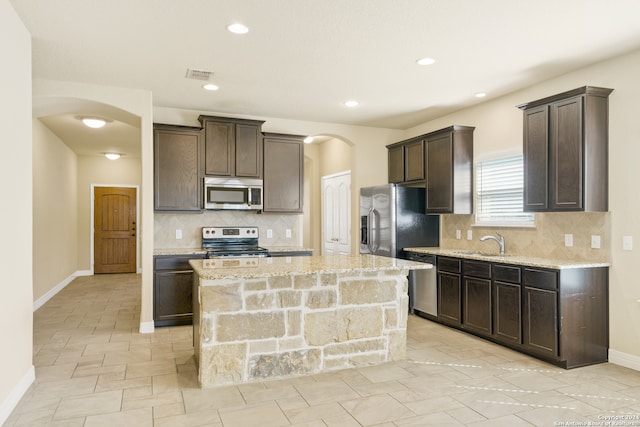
(500, 241)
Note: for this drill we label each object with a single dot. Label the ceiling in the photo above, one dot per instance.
(301, 59)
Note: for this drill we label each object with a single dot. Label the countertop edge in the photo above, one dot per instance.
(517, 260)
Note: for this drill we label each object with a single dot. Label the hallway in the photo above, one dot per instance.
(93, 368)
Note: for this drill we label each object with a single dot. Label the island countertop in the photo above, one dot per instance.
(248, 268)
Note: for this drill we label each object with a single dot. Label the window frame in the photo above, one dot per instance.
(529, 218)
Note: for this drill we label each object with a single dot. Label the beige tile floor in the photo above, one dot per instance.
(93, 369)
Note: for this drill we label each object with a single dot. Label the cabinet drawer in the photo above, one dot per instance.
(174, 262)
(477, 269)
(452, 265)
(541, 279)
(506, 273)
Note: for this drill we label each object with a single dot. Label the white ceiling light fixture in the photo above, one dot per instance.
(426, 61)
(237, 28)
(112, 156)
(480, 94)
(94, 122)
(308, 140)
(210, 87)
(352, 103)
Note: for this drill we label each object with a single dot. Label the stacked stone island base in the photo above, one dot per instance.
(285, 317)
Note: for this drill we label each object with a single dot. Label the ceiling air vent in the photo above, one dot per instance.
(203, 75)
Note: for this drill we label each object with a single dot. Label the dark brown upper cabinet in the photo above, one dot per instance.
(565, 147)
(406, 162)
(449, 170)
(233, 147)
(177, 172)
(440, 161)
(283, 173)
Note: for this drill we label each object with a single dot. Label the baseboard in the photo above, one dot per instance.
(52, 292)
(147, 327)
(623, 359)
(10, 403)
(83, 273)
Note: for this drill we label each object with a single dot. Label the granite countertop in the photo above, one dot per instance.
(179, 251)
(557, 264)
(287, 249)
(284, 266)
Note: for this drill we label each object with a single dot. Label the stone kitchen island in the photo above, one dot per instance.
(262, 318)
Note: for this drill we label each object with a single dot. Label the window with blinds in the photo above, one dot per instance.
(500, 185)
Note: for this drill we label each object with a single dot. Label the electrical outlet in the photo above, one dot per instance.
(178, 234)
(568, 240)
(287, 233)
(458, 234)
(269, 234)
(469, 234)
(627, 243)
(595, 242)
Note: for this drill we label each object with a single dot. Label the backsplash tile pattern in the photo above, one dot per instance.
(166, 224)
(546, 240)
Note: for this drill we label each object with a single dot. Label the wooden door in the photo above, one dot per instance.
(115, 230)
(248, 161)
(508, 312)
(396, 164)
(283, 174)
(219, 148)
(336, 214)
(541, 321)
(449, 298)
(477, 305)
(414, 161)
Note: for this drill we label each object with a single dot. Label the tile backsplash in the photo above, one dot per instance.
(166, 224)
(545, 240)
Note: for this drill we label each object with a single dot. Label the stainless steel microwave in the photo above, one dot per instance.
(233, 193)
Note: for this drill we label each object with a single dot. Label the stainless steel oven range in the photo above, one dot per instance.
(234, 242)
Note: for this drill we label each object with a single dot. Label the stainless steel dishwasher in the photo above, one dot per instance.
(423, 286)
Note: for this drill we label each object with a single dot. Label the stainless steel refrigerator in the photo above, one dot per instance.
(392, 217)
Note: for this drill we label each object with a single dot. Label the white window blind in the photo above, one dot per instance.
(500, 184)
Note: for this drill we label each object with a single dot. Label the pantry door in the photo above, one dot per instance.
(336, 214)
(115, 230)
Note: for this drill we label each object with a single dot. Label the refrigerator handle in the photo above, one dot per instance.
(373, 237)
(369, 230)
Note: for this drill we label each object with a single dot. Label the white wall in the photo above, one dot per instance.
(55, 211)
(16, 285)
(499, 130)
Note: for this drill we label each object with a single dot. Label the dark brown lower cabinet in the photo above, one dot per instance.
(172, 290)
(477, 302)
(561, 316)
(541, 321)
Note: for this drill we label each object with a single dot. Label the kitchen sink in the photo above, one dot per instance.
(479, 254)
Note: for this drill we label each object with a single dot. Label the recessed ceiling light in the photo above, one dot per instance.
(426, 61)
(210, 86)
(351, 103)
(112, 156)
(93, 122)
(308, 140)
(481, 94)
(237, 28)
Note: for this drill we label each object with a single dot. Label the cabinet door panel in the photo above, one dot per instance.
(177, 170)
(396, 164)
(248, 151)
(541, 321)
(414, 161)
(283, 175)
(439, 163)
(449, 298)
(477, 305)
(172, 297)
(536, 159)
(566, 154)
(219, 148)
(507, 325)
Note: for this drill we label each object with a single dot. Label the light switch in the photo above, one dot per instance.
(595, 242)
(178, 234)
(568, 240)
(269, 234)
(627, 243)
(458, 234)
(287, 233)
(469, 234)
